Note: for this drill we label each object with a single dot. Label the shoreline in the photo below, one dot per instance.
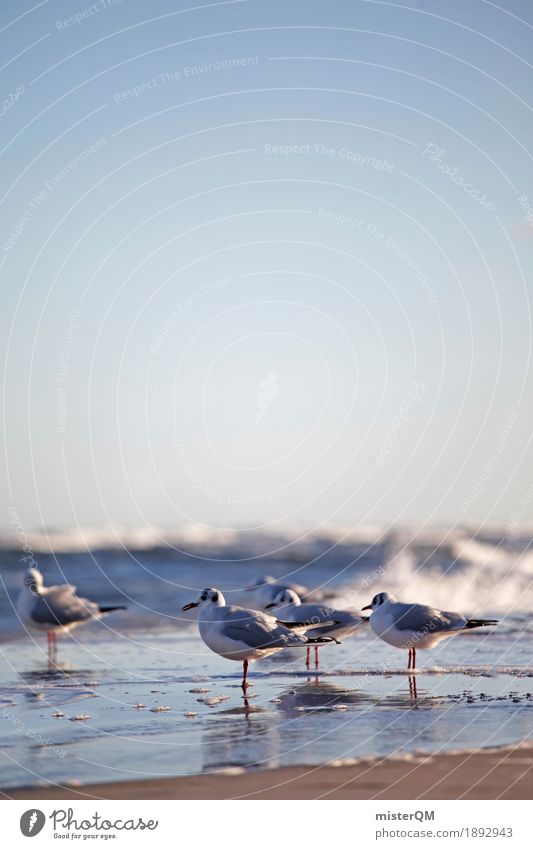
(499, 773)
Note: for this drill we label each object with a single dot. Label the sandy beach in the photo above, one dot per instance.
(502, 773)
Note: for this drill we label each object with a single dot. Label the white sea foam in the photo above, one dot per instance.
(480, 580)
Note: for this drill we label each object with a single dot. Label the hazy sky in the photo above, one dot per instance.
(266, 262)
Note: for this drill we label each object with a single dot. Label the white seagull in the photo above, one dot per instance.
(416, 626)
(325, 621)
(265, 590)
(239, 634)
(55, 609)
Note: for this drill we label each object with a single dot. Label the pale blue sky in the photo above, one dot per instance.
(257, 214)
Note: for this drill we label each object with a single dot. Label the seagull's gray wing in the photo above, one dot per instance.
(59, 589)
(323, 620)
(348, 618)
(59, 606)
(257, 631)
(421, 617)
(312, 613)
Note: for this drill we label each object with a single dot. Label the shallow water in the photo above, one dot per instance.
(474, 690)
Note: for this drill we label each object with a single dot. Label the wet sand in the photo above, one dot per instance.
(502, 773)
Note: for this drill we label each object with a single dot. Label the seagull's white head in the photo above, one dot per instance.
(261, 582)
(33, 580)
(378, 600)
(209, 596)
(283, 598)
(266, 579)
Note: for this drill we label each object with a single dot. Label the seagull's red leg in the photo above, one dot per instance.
(409, 661)
(308, 659)
(51, 655)
(244, 674)
(414, 658)
(316, 657)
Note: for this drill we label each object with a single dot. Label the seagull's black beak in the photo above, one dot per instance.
(189, 606)
(368, 607)
(268, 606)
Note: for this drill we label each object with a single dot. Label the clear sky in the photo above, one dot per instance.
(266, 262)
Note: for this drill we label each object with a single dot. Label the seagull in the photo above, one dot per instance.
(55, 609)
(265, 590)
(326, 621)
(239, 634)
(412, 626)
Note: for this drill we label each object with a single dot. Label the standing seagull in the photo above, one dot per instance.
(55, 609)
(265, 590)
(412, 626)
(239, 634)
(325, 621)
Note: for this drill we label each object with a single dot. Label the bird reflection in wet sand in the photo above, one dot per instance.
(316, 694)
(60, 672)
(414, 697)
(243, 736)
(245, 710)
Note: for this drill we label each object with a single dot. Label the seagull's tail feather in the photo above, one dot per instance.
(111, 609)
(305, 626)
(316, 640)
(477, 623)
